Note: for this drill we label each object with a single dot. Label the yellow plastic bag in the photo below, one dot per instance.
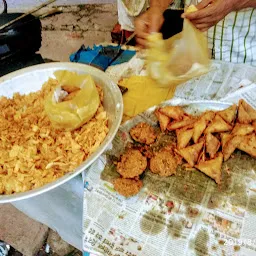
(180, 58)
(73, 113)
(143, 93)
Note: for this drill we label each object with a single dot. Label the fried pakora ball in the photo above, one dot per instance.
(143, 133)
(127, 187)
(164, 163)
(132, 164)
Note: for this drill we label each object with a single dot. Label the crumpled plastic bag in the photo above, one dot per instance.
(72, 114)
(180, 58)
(143, 93)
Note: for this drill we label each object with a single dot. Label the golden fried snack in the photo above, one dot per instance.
(132, 164)
(243, 116)
(254, 125)
(180, 124)
(202, 156)
(225, 137)
(229, 114)
(33, 153)
(230, 146)
(127, 187)
(143, 133)
(70, 96)
(164, 163)
(242, 129)
(208, 116)
(191, 153)
(199, 128)
(218, 125)
(183, 137)
(248, 145)
(212, 145)
(163, 120)
(201, 124)
(145, 150)
(70, 88)
(174, 112)
(212, 168)
(249, 109)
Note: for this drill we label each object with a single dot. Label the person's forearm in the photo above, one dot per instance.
(250, 3)
(163, 4)
(241, 4)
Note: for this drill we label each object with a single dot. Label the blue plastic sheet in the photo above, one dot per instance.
(102, 56)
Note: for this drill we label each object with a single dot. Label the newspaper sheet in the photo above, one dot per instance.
(186, 214)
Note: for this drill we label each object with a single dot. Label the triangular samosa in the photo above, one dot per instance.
(180, 124)
(174, 112)
(242, 129)
(225, 137)
(249, 109)
(212, 145)
(212, 168)
(228, 114)
(218, 125)
(163, 120)
(248, 145)
(191, 153)
(231, 146)
(243, 116)
(183, 137)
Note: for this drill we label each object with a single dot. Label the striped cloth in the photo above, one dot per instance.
(232, 40)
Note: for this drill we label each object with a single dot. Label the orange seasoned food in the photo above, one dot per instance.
(127, 187)
(164, 163)
(132, 164)
(143, 133)
(32, 152)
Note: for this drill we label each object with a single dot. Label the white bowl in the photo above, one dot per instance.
(31, 79)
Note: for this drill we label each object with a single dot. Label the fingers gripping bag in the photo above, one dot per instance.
(73, 102)
(180, 58)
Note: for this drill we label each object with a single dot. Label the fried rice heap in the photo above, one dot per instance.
(32, 152)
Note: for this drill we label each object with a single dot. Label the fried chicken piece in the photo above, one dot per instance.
(132, 164)
(164, 163)
(127, 187)
(143, 133)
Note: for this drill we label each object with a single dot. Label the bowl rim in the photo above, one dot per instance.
(117, 97)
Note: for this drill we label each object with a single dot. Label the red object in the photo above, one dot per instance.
(118, 35)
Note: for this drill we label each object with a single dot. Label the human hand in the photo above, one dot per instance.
(148, 22)
(210, 12)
